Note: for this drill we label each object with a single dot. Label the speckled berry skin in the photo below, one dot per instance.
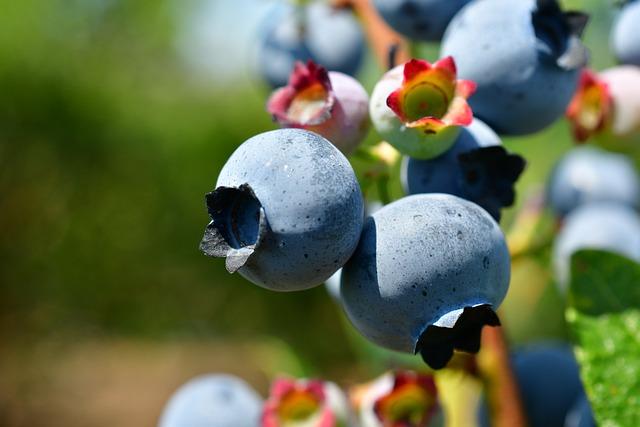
(443, 174)
(605, 226)
(625, 37)
(213, 401)
(332, 38)
(420, 259)
(287, 211)
(586, 175)
(423, 20)
(521, 88)
(548, 379)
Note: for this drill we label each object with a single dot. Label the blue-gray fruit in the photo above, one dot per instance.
(549, 383)
(318, 32)
(525, 57)
(427, 274)
(213, 401)
(287, 210)
(586, 175)
(625, 36)
(423, 20)
(605, 226)
(476, 168)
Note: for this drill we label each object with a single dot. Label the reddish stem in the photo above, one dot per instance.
(381, 37)
(501, 386)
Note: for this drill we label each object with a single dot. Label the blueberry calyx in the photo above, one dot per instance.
(560, 32)
(489, 175)
(456, 330)
(238, 225)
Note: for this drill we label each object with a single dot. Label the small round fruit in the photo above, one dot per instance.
(419, 108)
(213, 401)
(586, 175)
(305, 402)
(287, 210)
(549, 382)
(625, 37)
(427, 274)
(476, 168)
(606, 107)
(331, 104)
(397, 399)
(524, 56)
(318, 32)
(605, 226)
(581, 414)
(423, 20)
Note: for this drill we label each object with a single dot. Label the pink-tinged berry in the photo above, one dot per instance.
(419, 107)
(305, 403)
(331, 104)
(399, 399)
(606, 108)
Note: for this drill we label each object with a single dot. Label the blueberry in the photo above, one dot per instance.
(605, 226)
(331, 104)
(586, 175)
(427, 274)
(287, 210)
(213, 401)
(419, 107)
(581, 414)
(605, 107)
(524, 56)
(401, 398)
(423, 20)
(548, 379)
(625, 37)
(476, 168)
(305, 402)
(331, 37)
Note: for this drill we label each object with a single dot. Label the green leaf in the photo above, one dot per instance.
(604, 316)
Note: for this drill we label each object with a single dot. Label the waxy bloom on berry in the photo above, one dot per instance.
(305, 403)
(398, 399)
(331, 104)
(606, 108)
(419, 107)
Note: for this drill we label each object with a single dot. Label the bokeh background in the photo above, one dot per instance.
(115, 118)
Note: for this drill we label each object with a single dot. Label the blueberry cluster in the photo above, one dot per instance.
(424, 273)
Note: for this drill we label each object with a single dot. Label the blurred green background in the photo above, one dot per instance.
(115, 118)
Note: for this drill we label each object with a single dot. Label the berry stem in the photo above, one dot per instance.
(501, 387)
(381, 37)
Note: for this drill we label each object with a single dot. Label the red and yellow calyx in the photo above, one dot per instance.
(411, 403)
(431, 98)
(307, 100)
(297, 403)
(591, 109)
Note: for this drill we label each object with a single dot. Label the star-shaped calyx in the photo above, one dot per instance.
(431, 98)
(591, 109)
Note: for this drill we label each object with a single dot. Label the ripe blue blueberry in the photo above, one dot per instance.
(586, 175)
(524, 56)
(581, 414)
(427, 274)
(287, 210)
(328, 36)
(476, 168)
(625, 37)
(423, 20)
(213, 401)
(605, 226)
(548, 379)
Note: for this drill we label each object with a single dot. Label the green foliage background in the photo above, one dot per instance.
(107, 147)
